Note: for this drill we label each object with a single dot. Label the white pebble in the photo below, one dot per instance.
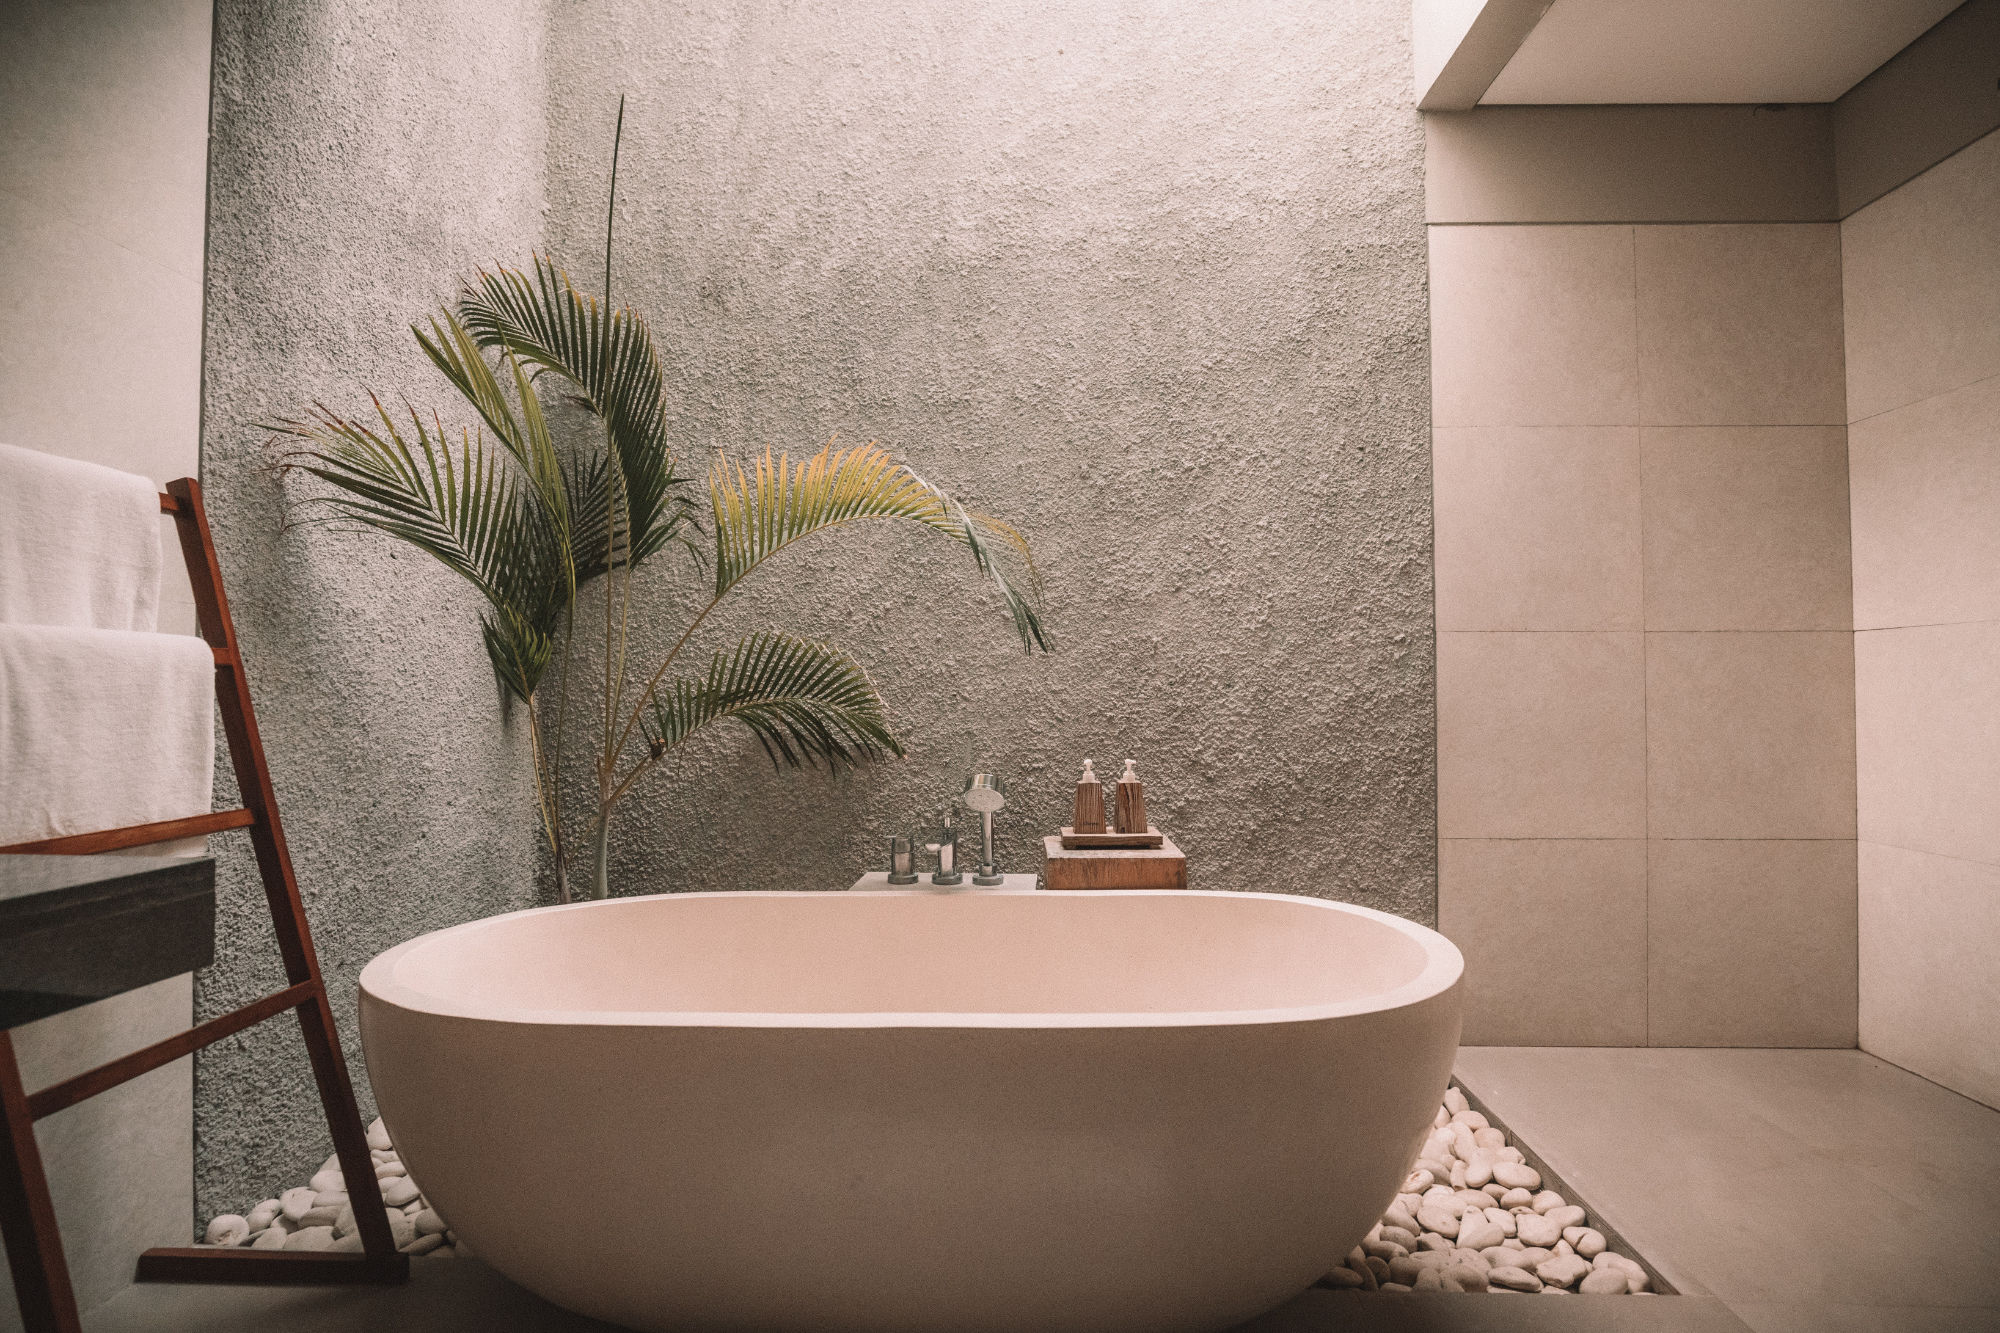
(378, 1136)
(399, 1191)
(1454, 1101)
(1514, 1279)
(329, 1181)
(1515, 1176)
(228, 1229)
(1567, 1216)
(401, 1229)
(1476, 1232)
(423, 1245)
(1536, 1230)
(1563, 1270)
(1465, 1277)
(310, 1238)
(270, 1238)
(264, 1214)
(1603, 1282)
(1546, 1200)
(1471, 1119)
(296, 1203)
(1589, 1244)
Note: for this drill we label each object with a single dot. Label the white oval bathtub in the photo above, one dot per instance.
(922, 1111)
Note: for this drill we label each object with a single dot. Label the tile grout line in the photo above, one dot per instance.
(1927, 398)
(1645, 648)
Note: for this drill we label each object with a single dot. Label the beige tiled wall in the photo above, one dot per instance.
(1922, 274)
(1646, 791)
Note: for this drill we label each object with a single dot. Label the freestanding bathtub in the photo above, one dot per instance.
(915, 1111)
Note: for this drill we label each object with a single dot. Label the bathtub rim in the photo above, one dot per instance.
(1444, 967)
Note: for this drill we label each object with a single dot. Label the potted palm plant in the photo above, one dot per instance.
(533, 521)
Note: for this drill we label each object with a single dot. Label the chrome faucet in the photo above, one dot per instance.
(946, 848)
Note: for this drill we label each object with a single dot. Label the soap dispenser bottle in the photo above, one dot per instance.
(1089, 816)
(1131, 802)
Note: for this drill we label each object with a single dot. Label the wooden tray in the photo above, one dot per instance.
(1073, 841)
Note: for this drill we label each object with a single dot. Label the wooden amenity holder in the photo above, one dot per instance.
(1160, 867)
(27, 1217)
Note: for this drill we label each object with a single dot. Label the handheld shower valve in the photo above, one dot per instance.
(985, 793)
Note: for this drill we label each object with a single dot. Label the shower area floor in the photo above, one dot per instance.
(1780, 1190)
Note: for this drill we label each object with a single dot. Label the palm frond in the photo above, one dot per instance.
(759, 512)
(806, 702)
(609, 360)
(464, 507)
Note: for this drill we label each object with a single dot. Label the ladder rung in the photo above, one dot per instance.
(61, 1096)
(137, 835)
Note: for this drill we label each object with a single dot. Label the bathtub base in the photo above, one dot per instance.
(1137, 1156)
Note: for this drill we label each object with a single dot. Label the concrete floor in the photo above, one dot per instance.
(1812, 1191)
(1884, 1191)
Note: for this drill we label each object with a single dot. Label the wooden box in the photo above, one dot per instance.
(1112, 868)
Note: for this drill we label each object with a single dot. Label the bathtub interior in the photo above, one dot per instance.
(821, 956)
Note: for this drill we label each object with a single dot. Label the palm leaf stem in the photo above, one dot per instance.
(652, 686)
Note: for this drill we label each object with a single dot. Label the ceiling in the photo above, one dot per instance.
(1599, 51)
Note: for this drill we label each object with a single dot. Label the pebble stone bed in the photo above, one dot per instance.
(317, 1215)
(1473, 1216)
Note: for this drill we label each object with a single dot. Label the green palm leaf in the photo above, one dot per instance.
(760, 512)
(610, 362)
(805, 702)
(464, 507)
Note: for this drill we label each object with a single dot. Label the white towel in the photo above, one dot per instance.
(79, 544)
(103, 728)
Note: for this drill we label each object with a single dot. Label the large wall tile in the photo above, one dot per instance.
(1554, 937)
(1926, 483)
(1740, 325)
(1541, 735)
(1930, 994)
(1928, 741)
(1751, 943)
(1921, 267)
(1532, 326)
(1746, 527)
(1750, 735)
(1537, 527)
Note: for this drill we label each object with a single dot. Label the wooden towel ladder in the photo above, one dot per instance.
(27, 1216)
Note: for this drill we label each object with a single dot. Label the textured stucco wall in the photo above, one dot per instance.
(364, 153)
(1149, 278)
